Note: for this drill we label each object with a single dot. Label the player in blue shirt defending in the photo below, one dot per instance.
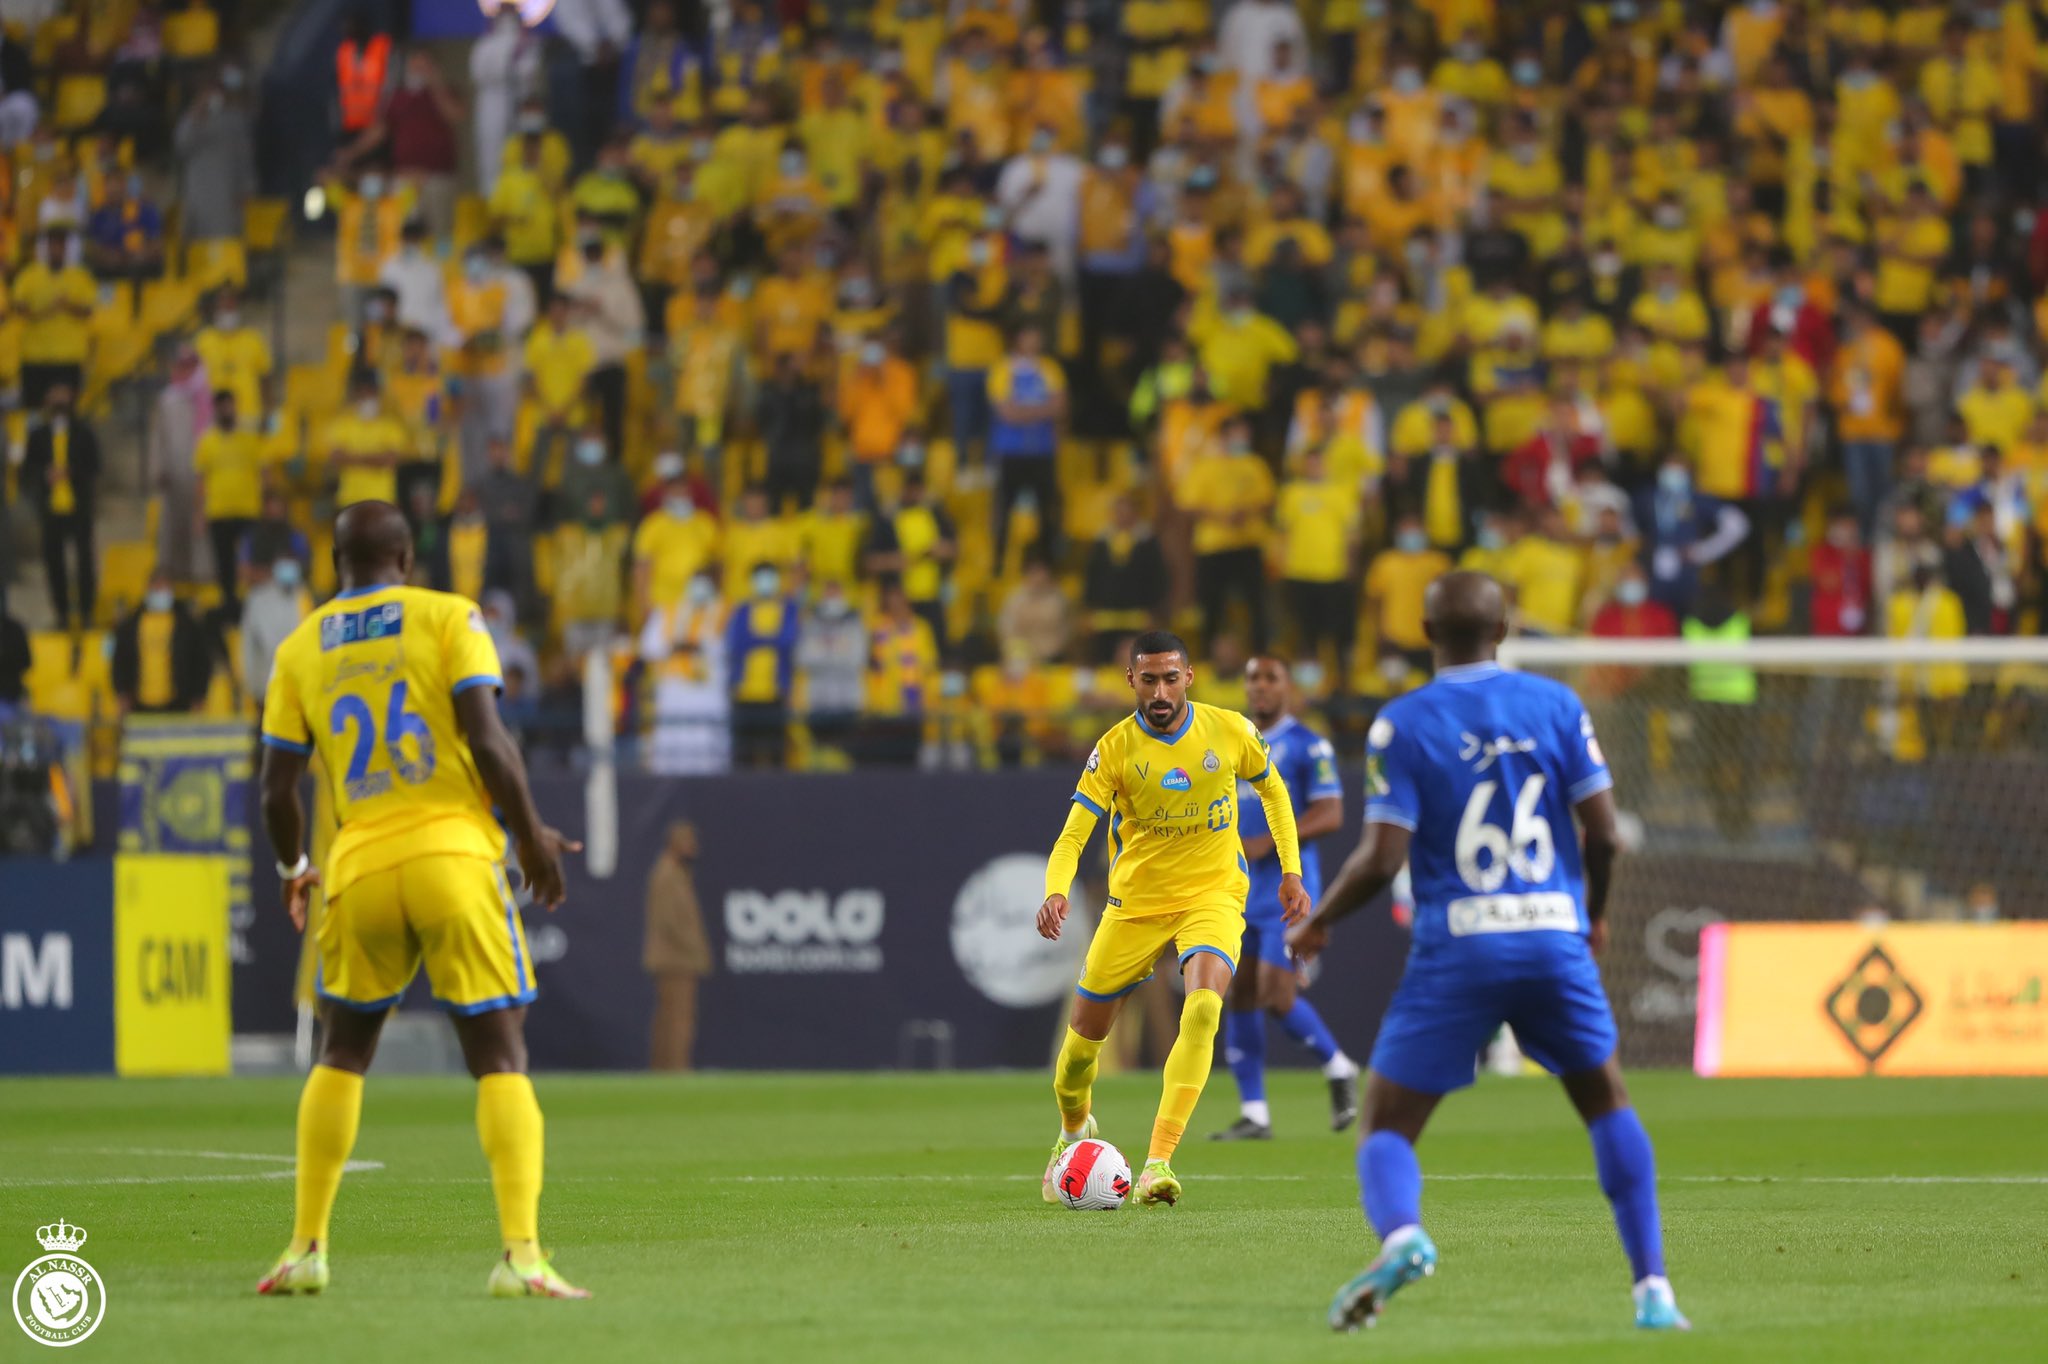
(1474, 781)
(1265, 983)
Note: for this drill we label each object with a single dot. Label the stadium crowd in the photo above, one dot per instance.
(883, 366)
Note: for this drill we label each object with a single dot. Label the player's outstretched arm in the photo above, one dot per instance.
(503, 773)
(1061, 867)
(1603, 844)
(285, 820)
(1370, 869)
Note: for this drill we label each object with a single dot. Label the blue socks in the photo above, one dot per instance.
(1628, 1176)
(1244, 1047)
(1390, 1181)
(1306, 1026)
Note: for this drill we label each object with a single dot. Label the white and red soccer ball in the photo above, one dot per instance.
(1092, 1176)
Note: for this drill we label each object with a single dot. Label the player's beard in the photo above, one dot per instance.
(1165, 719)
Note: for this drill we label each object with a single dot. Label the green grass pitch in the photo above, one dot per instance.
(790, 1219)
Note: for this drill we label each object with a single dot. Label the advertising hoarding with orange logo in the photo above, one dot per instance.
(1843, 999)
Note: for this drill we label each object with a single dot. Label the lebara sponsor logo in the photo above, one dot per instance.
(1176, 780)
(803, 932)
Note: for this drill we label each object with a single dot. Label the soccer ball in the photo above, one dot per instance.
(1092, 1176)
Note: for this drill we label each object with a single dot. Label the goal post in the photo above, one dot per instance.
(1805, 780)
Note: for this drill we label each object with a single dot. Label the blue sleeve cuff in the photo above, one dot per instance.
(480, 680)
(1089, 805)
(1264, 772)
(1390, 814)
(272, 741)
(1593, 785)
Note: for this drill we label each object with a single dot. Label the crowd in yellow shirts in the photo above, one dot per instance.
(1248, 318)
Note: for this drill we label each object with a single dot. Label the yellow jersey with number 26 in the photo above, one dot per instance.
(368, 682)
(1171, 802)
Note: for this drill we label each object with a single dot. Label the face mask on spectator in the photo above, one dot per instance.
(766, 582)
(1491, 538)
(833, 608)
(1524, 153)
(1674, 480)
(1468, 51)
(1632, 592)
(1528, 71)
(871, 353)
(1114, 157)
(1407, 80)
(372, 186)
(1411, 542)
(679, 506)
(700, 592)
(475, 268)
(1041, 142)
(133, 184)
(1607, 261)
(285, 573)
(1363, 128)
(157, 599)
(792, 164)
(1670, 217)
(366, 408)
(227, 319)
(590, 451)
(977, 254)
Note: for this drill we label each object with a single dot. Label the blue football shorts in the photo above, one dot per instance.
(1445, 1011)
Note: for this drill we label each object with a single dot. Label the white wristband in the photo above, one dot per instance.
(295, 870)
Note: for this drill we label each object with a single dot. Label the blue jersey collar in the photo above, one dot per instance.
(1187, 718)
(1468, 672)
(367, 590)
(1280, 727)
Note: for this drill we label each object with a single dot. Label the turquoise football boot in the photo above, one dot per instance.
(1408, 1255)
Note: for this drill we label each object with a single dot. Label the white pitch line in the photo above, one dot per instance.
(196, 1155)
(88, 1182)
(1501, 1177)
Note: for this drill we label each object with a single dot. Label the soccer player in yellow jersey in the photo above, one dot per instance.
(395, 688)
(1166, 778)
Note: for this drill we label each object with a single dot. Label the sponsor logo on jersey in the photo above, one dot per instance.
(357, 627)
(1176, 780)
(1484, 753)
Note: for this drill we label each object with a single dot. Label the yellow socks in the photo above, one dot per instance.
(1073, 1079)
(508, 1123)
(330, 1108)
(1187, 1070)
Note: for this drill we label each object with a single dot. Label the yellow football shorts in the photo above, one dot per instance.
(455, 913)
(1121, 956)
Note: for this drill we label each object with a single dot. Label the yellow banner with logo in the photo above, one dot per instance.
(171, 1008)
(1842, 999)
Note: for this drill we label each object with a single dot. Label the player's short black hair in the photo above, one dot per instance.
(1158, 642)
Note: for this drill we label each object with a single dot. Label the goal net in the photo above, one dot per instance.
(1805, 780)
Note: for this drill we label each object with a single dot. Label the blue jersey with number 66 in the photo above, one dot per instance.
(1484, 766)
